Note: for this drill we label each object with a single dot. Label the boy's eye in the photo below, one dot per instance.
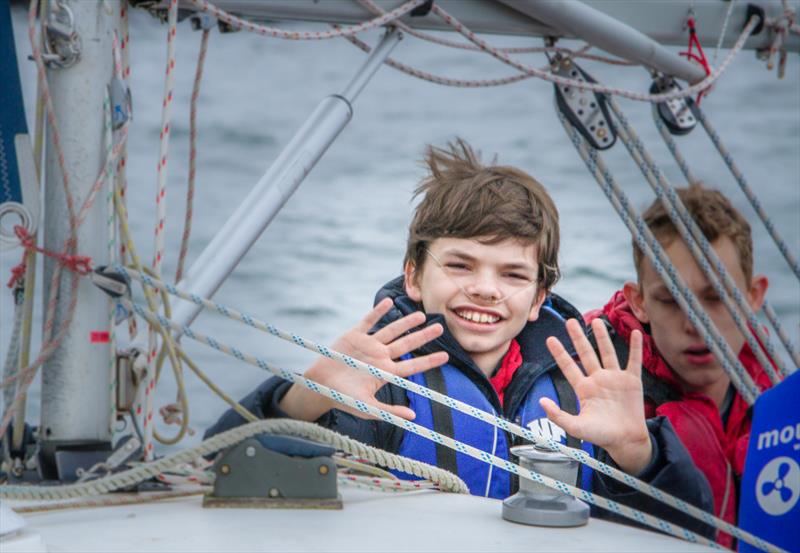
(666, 300)
(518, 276)
(456, 266)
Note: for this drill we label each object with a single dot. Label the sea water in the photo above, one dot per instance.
(316, 268)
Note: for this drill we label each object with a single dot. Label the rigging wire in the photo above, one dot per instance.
(650, 246)
(752, 321)
(697, 244)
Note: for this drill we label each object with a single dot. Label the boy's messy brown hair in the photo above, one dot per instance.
(462, 198)
(716, 218)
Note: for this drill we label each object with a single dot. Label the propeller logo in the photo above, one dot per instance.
(778, 486)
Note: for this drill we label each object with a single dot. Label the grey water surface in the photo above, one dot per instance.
(315, 270)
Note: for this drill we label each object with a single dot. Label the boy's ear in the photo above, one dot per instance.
(633, 295)
(410, 282)
(758, 291)
(537, 305)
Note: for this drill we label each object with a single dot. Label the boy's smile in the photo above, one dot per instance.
(679, 343)
(486, 292)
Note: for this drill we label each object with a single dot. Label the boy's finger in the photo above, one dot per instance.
(584, 348)
(421, 364)
(417, 339)
(397, 328)
(607, 352)
(635, 357)
(398, 410)
(564, 360)
(375, 315)
(568, 423)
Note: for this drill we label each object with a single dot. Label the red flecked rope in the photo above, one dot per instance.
(80, 264)
(67, 257)
(246, 25)
(547, 76)
(374, 8)
(187, 225)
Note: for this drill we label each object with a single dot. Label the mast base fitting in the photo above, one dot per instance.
(275, 472)
(538, 505)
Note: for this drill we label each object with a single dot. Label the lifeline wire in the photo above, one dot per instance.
(589, 497)
(655, 253)
(489, 418)
(723, 272)
(692, 235)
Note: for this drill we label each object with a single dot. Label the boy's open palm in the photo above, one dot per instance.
(381, 349)
(611, 403)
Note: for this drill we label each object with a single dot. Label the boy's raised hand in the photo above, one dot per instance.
(381, 349)
(611, 403)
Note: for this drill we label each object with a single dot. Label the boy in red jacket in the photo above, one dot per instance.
(682, 379)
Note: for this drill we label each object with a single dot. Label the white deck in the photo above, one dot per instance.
(370, 521)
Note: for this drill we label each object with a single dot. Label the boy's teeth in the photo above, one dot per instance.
(476, 317)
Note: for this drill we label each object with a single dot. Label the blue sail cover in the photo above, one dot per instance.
(770, 502)
(12, 111)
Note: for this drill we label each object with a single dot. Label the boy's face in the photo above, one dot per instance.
(677, 340)
(486, 292)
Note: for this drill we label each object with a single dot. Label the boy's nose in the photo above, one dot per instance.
(688, 327)
(484, 287)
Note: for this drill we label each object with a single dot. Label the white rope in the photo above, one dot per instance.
(723, 32)
(445, 480)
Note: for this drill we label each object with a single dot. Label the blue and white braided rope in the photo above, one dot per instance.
(369, 410)
(489, 418)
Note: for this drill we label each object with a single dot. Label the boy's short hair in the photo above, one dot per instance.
(714, 214)
(462, 198)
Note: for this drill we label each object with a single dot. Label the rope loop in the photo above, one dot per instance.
(80, 264)
(699, 57)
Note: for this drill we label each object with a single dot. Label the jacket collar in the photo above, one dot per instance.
(536, 358)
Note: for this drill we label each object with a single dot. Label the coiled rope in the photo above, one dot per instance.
(444, 480)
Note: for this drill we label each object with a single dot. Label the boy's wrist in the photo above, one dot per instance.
(633, 456)
(302, 404)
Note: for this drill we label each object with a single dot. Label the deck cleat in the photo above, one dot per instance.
(275, 472)
(537, 505)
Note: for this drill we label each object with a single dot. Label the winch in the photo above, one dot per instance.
(535, 503)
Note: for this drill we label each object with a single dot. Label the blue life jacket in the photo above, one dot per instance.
(482, 478)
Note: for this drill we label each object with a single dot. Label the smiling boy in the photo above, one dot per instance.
(473, 317)
(683, 381)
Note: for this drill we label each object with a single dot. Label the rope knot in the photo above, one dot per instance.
(18, 274)
(81, 264)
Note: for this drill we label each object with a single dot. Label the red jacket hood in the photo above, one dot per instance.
(619, 314)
